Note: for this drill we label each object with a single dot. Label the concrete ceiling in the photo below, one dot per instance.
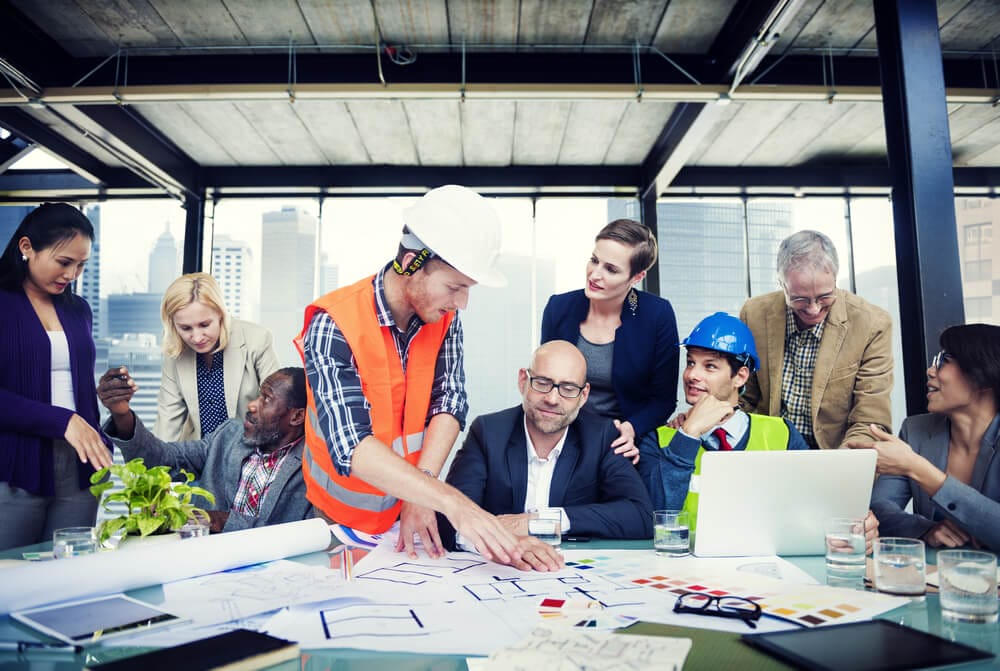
(209, 94)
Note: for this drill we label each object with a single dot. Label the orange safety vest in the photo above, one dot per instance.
(399, 402)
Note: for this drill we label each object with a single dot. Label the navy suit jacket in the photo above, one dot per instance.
(600, 491)
(646, 351)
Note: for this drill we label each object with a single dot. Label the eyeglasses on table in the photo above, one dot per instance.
(734, 607)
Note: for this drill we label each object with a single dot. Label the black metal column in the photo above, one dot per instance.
(920, 164)
(194, 232)
(647, 210)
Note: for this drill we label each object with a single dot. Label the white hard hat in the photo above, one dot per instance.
(460, 227)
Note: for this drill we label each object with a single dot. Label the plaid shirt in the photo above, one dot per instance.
(801, 348)
(257, 474)
(344, 412)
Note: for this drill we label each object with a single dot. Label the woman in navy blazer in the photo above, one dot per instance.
(50, 441)
(629, 337)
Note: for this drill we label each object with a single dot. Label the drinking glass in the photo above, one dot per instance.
(198, 524)
(968, 585)
(900, 566)
(671, 534)
(845, 552)
(546, 526)
(74, 542)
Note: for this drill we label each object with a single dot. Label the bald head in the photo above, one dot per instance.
(564, 356)
(553, 390)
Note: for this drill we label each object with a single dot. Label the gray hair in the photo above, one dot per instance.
(806, 250)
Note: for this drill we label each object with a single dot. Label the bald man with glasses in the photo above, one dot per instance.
(545, 454)
(825, 354)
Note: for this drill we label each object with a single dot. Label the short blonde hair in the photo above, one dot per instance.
(182, 292)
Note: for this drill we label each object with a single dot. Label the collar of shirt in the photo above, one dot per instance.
(792, 329)
(279, 452)
(382, 311)
(735, 427)
(540, 472)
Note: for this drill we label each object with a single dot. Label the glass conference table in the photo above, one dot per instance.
(924, 615)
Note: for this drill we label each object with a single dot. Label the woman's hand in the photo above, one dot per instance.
(894, 456)
(87, 442)
(624, 444)
(897, 458)
(947, 534)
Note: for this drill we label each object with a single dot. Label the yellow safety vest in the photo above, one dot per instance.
(766, 433)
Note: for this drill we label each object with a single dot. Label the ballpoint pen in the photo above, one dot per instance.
(23, 646)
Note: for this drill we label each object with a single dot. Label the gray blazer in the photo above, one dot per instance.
(975, 507)
(217, 461)
(247, 360)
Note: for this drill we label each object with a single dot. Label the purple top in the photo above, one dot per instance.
(28, 421)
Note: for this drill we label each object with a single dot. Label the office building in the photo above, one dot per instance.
(288, 276)
(10, 219)
(232, 268)
(89, 284)
(978, 247)
(141, 353)
(134, 313)
(329, 276)
(164, 265)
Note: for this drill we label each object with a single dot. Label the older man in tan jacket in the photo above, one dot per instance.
(825, 354)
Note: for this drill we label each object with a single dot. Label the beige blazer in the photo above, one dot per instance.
(853, 375)
(247, 360)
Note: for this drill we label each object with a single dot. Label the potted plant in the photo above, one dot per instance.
(156, 504)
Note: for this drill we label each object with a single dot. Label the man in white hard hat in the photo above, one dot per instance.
(384, 365)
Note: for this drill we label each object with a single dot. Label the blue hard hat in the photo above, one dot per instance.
(722, 332)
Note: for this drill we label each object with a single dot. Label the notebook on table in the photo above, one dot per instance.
(766, 503)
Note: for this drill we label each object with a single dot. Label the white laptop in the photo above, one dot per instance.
(766, 503)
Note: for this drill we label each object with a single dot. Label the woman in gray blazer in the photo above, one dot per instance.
(212, 365)
(947, 461)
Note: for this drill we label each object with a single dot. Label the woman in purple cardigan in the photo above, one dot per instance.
(50, 442)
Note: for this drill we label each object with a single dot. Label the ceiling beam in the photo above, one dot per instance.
(690, 123)
(375, 181)
(27, 127)
(156, 154)
(12, 150)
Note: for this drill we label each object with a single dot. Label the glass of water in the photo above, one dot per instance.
(546, 526)
(671, 533)
(968, 585)
(198, 524)
(845, 552)
(74, 542)
(900, 567)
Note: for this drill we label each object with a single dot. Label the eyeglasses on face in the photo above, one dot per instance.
(735, 607)
(544, 385)
(801, 302)
(940, 359)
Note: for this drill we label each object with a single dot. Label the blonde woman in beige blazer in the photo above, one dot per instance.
(196, 324)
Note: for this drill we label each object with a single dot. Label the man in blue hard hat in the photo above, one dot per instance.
(721, 355)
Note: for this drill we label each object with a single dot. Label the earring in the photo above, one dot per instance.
(24, 257)
(633, 301)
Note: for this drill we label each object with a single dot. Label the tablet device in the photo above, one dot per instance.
(90, 621)
(777, 503)
(875, 645)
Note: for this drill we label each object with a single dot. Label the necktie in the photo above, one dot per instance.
(724, 445)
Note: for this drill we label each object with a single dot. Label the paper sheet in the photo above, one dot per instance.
(417, 605)
(573, 650)
(40, 583)
(250, 590)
